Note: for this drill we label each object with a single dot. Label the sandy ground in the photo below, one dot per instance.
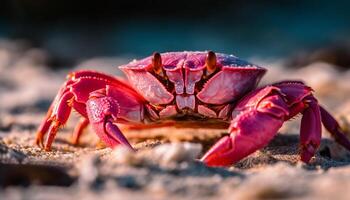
(165, 165)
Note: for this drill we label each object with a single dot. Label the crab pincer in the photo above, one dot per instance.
(102, 112)
(260, 115)
(256, 120)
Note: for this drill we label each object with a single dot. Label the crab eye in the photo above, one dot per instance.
(210, 62)
(157, 63)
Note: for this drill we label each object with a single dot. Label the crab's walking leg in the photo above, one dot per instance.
(48, 120)
(44, 127)
(56, 117)
(310, 129)
(79, 129)
(102, 112)
(59, 117)
(75, 93)
(333, 127)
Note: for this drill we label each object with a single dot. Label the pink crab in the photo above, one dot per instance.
(191, 88)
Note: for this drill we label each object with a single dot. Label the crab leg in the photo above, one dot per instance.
(310, 130)
(79, 129)
(61, 106)
(57, 116)
(60, 116)
(75, 93)
(44, 127)
(48, 120)
(333, 127)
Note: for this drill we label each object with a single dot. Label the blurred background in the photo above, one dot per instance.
(42, 40)
(71, 31)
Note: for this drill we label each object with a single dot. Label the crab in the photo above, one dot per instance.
(190, 89)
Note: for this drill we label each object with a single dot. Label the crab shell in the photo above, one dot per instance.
(185, 83)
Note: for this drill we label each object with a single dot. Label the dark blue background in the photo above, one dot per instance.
(74, 30)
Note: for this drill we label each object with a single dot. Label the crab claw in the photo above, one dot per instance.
(220, 154)
(251, 130)
(102, 111)
(259, 115)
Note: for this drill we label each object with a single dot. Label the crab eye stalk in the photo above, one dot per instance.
(157, 63)
(210, 62)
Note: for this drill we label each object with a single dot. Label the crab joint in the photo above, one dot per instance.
(210, 62)
(157, 63)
